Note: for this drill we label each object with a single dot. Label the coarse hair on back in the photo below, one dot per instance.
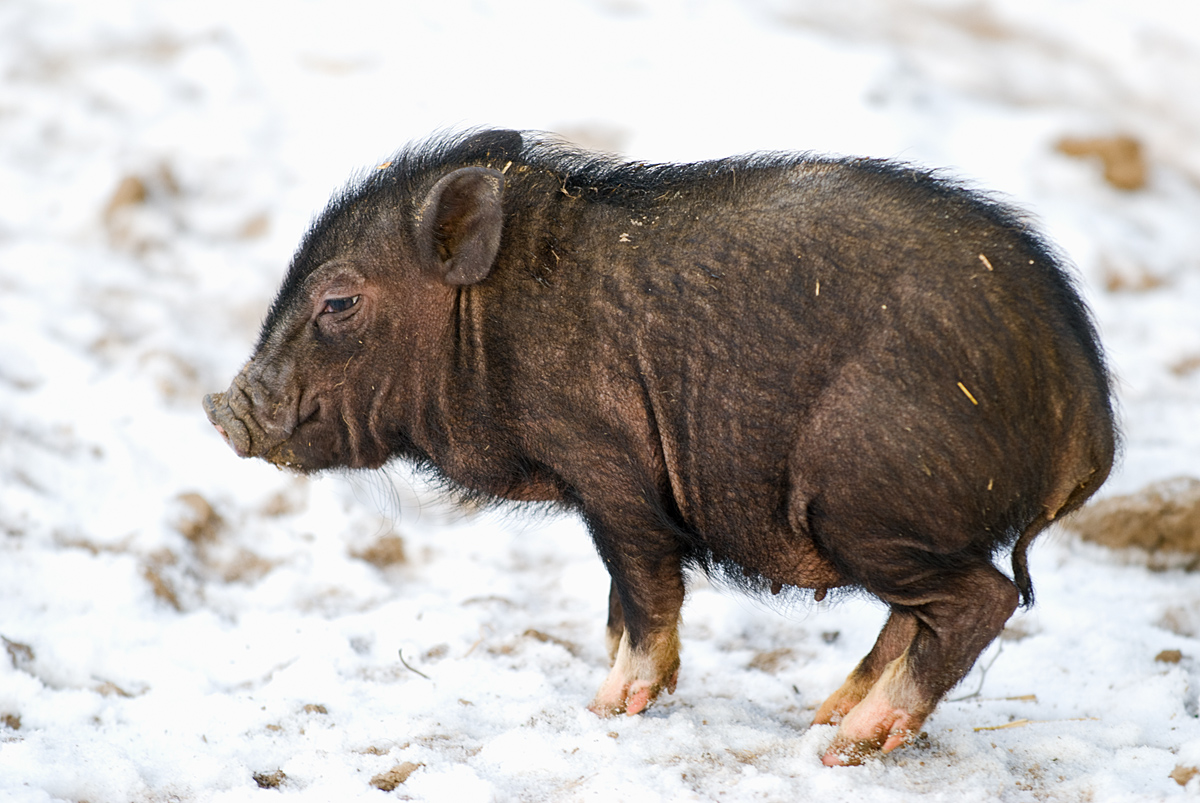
(400, 184)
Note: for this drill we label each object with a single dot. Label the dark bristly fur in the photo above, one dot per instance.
(792, 372)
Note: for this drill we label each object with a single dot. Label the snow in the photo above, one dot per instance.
(158, 649)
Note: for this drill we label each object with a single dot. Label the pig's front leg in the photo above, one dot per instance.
(643, 620)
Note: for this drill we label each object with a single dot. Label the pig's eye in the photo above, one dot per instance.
(336, 305)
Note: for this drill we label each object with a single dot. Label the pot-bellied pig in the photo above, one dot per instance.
(788, 371)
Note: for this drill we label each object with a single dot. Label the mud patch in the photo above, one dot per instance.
(1158, 525)
(162, 587)
(1181, 774)
(546, 638)
(1122, 158)
(270, 780)
(771, 661)
(388, 781)
(20, 654)
(197, 521)
(386, 551)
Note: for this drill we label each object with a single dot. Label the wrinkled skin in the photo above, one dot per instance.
(796, 373)
(317, 394)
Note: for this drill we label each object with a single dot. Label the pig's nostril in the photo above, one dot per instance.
(232, 430)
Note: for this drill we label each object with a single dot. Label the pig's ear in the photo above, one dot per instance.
(460, 223)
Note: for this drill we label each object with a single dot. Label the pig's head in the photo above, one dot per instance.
(350, 345)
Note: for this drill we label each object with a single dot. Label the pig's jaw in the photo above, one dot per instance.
(304, 443)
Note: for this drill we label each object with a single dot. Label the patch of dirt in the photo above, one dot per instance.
(243, 567)
(1169, 657)
(771, 661)
(198, 522)
(204, 528)
(109, 689)
(162, 587)
(1123, 275)
(1121, 155)
(546, 638)
(292, 499)
(141, 213)
(388, 781)
(1187, 366)
(20, 654)
(130, 191)
(1158, 525)
(1181, 774)
(385, 552)
(436, 652)
(270, 780)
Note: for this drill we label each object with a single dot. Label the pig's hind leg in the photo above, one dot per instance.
(898, 632)
(616, 623)
(645, 599)
(952, 614)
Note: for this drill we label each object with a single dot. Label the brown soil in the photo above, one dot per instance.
(1161, 522)
(1124, 164)
(388, 781)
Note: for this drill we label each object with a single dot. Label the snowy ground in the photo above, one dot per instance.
(182, 625)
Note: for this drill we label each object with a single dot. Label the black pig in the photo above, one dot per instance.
(790, 371)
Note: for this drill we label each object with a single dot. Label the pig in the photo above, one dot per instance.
(790, 372)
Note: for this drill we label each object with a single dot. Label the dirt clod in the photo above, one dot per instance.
(270, 780)
(1181, 774)
(388, 781)
(1169, 657)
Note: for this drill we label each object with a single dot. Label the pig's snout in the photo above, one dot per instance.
(232, 430)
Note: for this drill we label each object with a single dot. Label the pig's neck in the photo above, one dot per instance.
(465, 425)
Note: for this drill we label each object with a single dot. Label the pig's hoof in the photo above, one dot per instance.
(867, 731)
(617, 696)
(635, 680)
(628, 698)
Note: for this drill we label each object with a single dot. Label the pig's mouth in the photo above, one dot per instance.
(248, 436)
(301, 443)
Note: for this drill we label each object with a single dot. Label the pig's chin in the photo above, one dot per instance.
(284, 456)
(307, 452)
